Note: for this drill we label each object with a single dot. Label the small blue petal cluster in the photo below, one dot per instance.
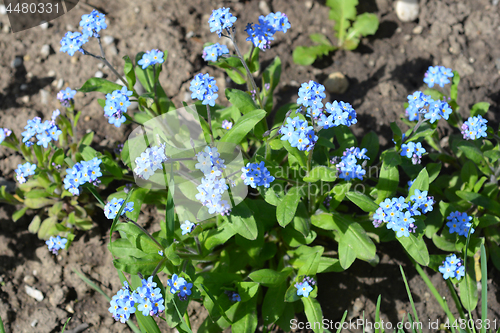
(213, 185)
(113, 206)
(179, 284)
(233, 296)
(81, 173)
(256, 174)
(221, 19)
(56, 243)
(151, 159)
(432, 110)
(299, 134)
(152, 57)
(187, 227)
(116, 105)
(65, 96)
(453, 267)
(204, 88)
(93, 23)
(413, 150)
(399, 215)
(262, 34)
(439, 75)
(24, 170)
(72, 42)
(474, 128)
(304, 287)
(147, 297)
(213, 52)
(44, 132)
(5, 132)
(227, 125)
(337, 113)
(311, 96)
(460, 223)
(348, 167)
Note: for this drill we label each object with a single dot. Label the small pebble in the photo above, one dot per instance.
(189, 34)
(99, 74)
(74, 60)
(36, 294)
(113, 50)
(308, 4)
(69, 308)
(417, 30)
(17, 62)
(86, 118)
(406, 37)
(264, 7)
(407, 10)
(108, 40)
(44, 98)
(336, 83)
(497, 63)
(3, 11)
(45, 50)
(60, 84)
(34, 323)
(472, 60)
(25, 99)
(100, 65)
(6, 29)
(23, 87)
(137, 10)
(51, 73)
(44, 25)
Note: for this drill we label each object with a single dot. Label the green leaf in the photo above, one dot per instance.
(471, 151)
(123, 248)
(312, 308)
(271, 75)
(416, 248)
(469, 174)
(454, 85)
(370, 142)
(480, 200)
(311, 257)
(362, 201)
(388, 182)
(299, 155)
(301, 220)
(291, 294)
(421, 183)
(468, 292)
(243, 126)
(240, 100)
(365, 24)
(273, 306)
(269, 277)
(248, 323)
(243, 221)
(285, 210)
(128, 69)
(253, 64)
(322, 173)
(347, 253)
(19, 213)
(479, 109)
(137, 197)
(144, 265)
(37, 203)
(100, 85)
(306, 55)
(341, 12)
(319, 38)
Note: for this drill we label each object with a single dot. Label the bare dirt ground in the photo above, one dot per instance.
(463, 35)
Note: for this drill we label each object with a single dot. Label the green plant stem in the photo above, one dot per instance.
(249, 74)
(420, 121)
(147, 233)
(209, 117)
(455, 299)
(410, 297)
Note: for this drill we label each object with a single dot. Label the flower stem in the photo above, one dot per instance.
(209, 117)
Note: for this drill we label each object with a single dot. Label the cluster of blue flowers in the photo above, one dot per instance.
(221, 19)
(460, 223)
(413, 150)
(147, 298)
(233, 296)
(5, 132)
(66, 96)
(311, 96)
(227, 125)
(81, 173)
(256, 174)
(179, 284)
(113, 206)
(453, 267)
(151, 159)
(299, 134)
(337, 113)
(45, 132)
(439, 75)
(348, 167)
(399, 215)
(25, 170)
(56, 243)
(474, 128)
(91, 24)
(116, 105)
(213, 185)
(152, 57)
(214, 51)
(187, 227)
(262, 34)
(424, 104)
(204, 88)
(305, 287)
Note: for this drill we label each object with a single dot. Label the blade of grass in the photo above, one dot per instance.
(64, 327)
(456, 299)
(442, 302)
(2, 330)
(222, 313)
(94, 286)
(342, 321)
(95, 194)
(466, 280)
(377, 314)
(409, 296)
(117, 217)
(183, 324)
(484, 288)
